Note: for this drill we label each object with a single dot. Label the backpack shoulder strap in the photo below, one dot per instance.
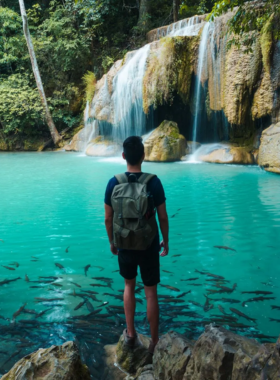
(121, 178)
(145, 178)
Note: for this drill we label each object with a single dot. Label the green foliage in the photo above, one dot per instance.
(89, 80)
(190, 8)
(249, 20)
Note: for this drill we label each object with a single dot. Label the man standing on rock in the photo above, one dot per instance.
(131, 202)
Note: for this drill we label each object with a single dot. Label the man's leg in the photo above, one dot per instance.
(152, 312)
(129, 305)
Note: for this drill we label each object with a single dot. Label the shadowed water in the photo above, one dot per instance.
(51, 208)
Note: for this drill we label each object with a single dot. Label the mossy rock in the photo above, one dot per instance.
(131, 359)
(230, 155)
(165, 143)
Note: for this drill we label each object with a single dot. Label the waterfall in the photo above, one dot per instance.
(201, 70)
(129, 117)
(187, 27)
(90, 130)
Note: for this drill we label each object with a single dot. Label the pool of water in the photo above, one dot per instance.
(52, 212)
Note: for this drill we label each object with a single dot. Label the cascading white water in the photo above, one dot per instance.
(129, 117)
(187, 27)
(90, 130)
(201, 69)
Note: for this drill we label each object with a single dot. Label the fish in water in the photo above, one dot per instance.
(257, 299)
(26, 278)
(56, 284)
(86, 268)
(224, 247)
(166, 271)
(50, 277)
(195, 303)
(275, 307)
(173, 216)
(99, 285)
(89, 291)
(235, 311)
(96, 266)
(191, 279)
(195, 284)
(172, 300)
(59, 266)
(40, 299)
(183, 294)
(170, 287)
(15, 264)
(176, 255)
(66, 250)
(44, 312)
(215, 276)
(17, 313)
(230, 300)
(10, 268)
(207, 306)
(80, 305)
(274, 320)
(264, 292)
(2, 240)
(8, 281)
(200, 272)
(115, 271)
(104, 304)
(89, 306)
(79, 286)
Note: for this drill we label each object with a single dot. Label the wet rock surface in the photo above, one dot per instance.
(269, 152)
(230, 155)
(102, 147)
(56, 363)
(131, 359)
(165, 143)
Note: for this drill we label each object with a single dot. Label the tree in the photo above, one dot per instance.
(54, 133)
(175, 10)
(250, 19)
(143, 13)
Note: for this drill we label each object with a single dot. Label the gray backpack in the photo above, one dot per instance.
(134, 223)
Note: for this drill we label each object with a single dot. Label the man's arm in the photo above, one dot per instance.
(109, 213)
(164, 227)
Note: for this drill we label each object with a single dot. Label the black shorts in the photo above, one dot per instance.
(148, 262)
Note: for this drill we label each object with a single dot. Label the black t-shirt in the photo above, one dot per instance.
(154, 186)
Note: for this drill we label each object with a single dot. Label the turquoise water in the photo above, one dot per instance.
(52, 203)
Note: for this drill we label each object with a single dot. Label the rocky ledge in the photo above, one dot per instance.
(218, 354)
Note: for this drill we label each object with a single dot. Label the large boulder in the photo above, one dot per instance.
(131, 359)
(102, 147)
(111, 368)
(269, 152)
(54, 363)
(220, 354)
(165, 143)
(229, 155)
(171, 356)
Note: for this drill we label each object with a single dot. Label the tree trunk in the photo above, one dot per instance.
(175, 10)
(143, 12)
(54, 133)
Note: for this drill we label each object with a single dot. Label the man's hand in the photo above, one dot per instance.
(165, 249)
(113, 249)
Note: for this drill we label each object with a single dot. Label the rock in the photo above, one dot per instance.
(54, 363)
(100, 147)
(165, 143)
(112, 371)
(219, 354)
(192, 146)
(255, 154)
(145, 373)
(171, 356)
(229, 155)
(269, 152)
(131, 359)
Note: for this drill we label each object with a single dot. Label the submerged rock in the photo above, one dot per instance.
(230, 155)
(165, 143)
(131, 359)
(269, 152)
(54, 363)
(171, 356)
(100, 147)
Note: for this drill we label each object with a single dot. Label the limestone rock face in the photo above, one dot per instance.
(171, 356)
(145, 373)
(111, 371)
(192, 146)
(100, 147)
(165, 143)
(230, 155)
(80, 139)
(269, 152)
(54, 363)
(131, 359)
(219, 354)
